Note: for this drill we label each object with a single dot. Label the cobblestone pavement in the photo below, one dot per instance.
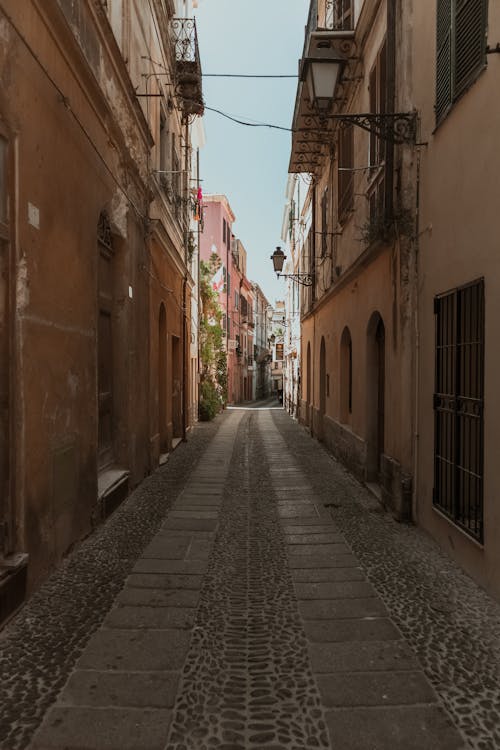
(39, 647)
(450, 623)
(248, 622)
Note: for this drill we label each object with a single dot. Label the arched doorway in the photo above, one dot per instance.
(346, 376)
(322, 386)
(375, 396)
(162, 380)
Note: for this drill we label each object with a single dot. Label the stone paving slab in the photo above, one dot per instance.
(152, 618)
(319, 575)
(335, 590)
(190, 524)
(394, 728)
(83, 728)
(177, 583)
(309, 530)
(186, 567)
(320, 561)
(318, 538)
(199, 550)
(358, 630)
(361, 656)
(375, 689)
(152, 596)
(193, 515)
(136, 650)
(120, 689)
(335, 609)
(168, 549)
(318, 550)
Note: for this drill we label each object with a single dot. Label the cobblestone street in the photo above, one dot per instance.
(252, 594)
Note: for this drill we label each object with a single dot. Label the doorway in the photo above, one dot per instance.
(176, 387)
(162, 380)
(375, 397)
(6, 519)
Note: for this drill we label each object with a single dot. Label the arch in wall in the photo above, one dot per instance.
(375, 395)
(346, 376)
(162, 379)
(308, 382)
(322, 377)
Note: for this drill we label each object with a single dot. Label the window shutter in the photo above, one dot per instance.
(444, 59)
(470, 41)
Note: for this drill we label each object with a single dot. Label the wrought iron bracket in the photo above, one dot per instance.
(301, 278)
(398, 127)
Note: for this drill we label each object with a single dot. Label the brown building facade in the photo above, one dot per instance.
(94, 270)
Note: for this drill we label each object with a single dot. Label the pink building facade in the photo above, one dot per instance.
(235, 295)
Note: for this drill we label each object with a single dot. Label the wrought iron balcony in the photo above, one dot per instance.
(187, 65)
(337, 15)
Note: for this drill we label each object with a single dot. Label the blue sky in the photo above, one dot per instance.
(250, 165)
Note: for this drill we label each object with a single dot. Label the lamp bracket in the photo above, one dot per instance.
(301, 278)
(397, 127)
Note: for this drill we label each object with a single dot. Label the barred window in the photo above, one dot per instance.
(458, 407)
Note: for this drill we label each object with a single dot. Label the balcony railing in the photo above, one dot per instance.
(337, 15)
(187, 65)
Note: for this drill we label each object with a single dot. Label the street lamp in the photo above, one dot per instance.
(321, 69)
(278, 258)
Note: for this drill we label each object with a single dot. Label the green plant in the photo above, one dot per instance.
(213, 378)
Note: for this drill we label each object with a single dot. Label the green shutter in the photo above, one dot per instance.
(470, 42)
(444, 86)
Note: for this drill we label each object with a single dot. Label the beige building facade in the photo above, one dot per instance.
(399, 361)
(454, 90)
(357, 316)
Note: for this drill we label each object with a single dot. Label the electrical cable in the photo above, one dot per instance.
(244, 75)
(249, 124)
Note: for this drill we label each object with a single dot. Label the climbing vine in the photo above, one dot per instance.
(213, 378)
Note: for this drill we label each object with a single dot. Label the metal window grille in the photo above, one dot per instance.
(459, 406)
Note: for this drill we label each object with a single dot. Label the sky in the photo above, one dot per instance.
(250, 165)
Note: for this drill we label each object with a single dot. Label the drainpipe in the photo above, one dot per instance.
(184, 369)
(391, 97)
(416, 436)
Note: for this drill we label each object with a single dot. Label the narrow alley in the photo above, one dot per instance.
(264, 600)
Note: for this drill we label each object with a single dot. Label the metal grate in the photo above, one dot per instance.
(458, 406)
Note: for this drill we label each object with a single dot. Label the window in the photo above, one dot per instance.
(224, 231)
(279, 351)
(378, 104)
(346, 174)
(324, 223)
(3, 181)
(345, 376)
(338, 15)
(460, 49)
(236, 300)
(458, 407)
(164, 152)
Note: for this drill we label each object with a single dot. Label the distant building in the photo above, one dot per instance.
(235, 294)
